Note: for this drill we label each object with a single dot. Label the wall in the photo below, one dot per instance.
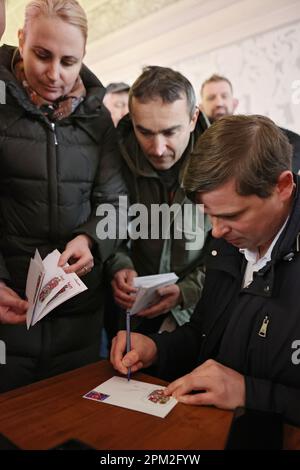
(263, 70)
(253, 42)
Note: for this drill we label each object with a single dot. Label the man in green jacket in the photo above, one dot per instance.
(156, 140)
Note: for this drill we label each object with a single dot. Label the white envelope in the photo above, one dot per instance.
(134, 395)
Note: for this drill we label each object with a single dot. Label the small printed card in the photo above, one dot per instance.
(48, 286)
(147, 290)
(134, 395)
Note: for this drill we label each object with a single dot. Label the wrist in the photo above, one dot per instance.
(88, 239)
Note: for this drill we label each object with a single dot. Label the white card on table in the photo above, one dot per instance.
(134, 395)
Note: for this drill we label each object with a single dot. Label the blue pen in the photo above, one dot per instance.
(128, 342)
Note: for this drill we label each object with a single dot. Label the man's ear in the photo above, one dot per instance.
(21, 38)
(235, 103)
(285, 185)
(194, 118)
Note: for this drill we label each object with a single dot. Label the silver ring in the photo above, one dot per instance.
(85, 269)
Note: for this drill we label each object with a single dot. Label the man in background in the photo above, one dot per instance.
(116, 100)
(217, 100)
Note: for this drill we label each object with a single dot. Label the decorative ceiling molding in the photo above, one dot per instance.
(104, 16)
(184, 30)
(112, 15)
(155, 27)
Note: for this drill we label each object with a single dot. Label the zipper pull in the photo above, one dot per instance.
(264, 326)
(53, 128)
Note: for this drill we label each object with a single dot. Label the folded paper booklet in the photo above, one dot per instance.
(147, 290)
(48, 286)
(134, 395)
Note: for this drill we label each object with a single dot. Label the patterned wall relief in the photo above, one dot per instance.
(264, 70)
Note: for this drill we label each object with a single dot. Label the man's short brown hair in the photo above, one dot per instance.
(252, 150)
(215, 79)
(165, 83)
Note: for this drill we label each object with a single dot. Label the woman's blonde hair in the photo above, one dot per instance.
(67, 10)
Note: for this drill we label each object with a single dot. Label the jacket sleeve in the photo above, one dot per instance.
(4, 274)
(178, 351)
(108, 222)
(191, 287)
(120, 260)
(264, 395)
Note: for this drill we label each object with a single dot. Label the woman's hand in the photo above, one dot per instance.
(78, 254)
(12, 308)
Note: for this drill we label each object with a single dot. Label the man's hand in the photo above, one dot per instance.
(123, 289)
(143, 352)
(12, 307)
(78, 254)
(170, 297)
(223, 387)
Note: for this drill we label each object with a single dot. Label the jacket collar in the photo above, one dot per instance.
(285, 250)
(288, 242)
(225, 257)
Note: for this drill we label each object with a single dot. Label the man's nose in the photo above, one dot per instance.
(158, 146)
(219, 100)
(219, 228)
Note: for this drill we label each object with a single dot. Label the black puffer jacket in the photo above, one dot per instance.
(52, 179)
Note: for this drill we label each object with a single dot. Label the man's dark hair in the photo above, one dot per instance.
(165, 83)
(215, 79)
(252, 150)
(117, 87)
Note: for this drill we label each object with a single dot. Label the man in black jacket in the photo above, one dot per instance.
(241, 346)
(217, 100)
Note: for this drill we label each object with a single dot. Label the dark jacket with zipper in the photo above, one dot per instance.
(53, 176)
(253, 330)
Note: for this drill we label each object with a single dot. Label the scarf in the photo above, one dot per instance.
(55, 110)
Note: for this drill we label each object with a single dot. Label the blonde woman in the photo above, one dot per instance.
(59, 161)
